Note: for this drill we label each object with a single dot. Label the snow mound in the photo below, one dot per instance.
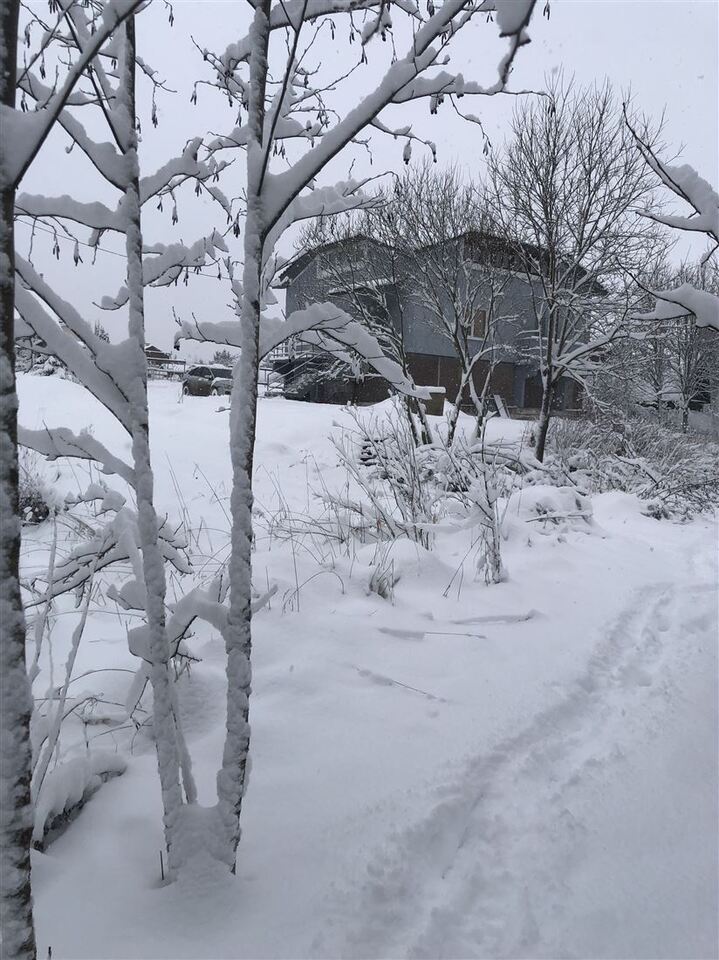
(549, 510)
(401, 560)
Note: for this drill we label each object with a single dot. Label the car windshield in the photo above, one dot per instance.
(222, 373)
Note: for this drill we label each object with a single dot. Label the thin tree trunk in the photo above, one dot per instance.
(545, 413)
(16, 814)
(416, 407)
(462, 356)
(454, 415)
(495, 547)
(426, 429)
(55, 724)
(231, 779)
(410, 419)
(480, 401)
(548, 383)
(164, 709)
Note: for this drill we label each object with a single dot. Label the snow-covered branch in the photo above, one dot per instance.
(71, 353)
(118, 541)
(685, 300)
(163, 264)
(686, 184)
(95, 215)
(27, 131)
(324, 325)
(62, 442)
(402, 76)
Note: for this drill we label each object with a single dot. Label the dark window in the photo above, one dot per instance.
(223, 373)
(479, 323)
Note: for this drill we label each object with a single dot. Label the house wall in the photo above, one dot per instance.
(422, 336)
(431, 355)
(442, 371)
(415, 321)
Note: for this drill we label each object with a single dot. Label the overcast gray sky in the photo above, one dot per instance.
(667, 52)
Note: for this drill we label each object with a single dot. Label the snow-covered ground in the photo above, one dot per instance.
(521, 770)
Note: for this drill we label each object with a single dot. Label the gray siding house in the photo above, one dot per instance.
(325, 273)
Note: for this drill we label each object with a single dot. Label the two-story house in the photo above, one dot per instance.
(377, 274)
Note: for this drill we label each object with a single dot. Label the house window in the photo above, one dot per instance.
(479, 323)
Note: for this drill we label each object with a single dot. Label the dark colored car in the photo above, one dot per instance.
(203, 381)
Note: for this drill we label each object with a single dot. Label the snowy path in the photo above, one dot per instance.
(504, 862)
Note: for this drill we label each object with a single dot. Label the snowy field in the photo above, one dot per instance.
(520, 770)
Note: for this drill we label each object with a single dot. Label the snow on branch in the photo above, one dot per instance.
(184, 167)
(62, 442)
(684, 301)
(320, 202)
(94, 215)
(293, 13)
(402, 81)
(97, 216)
(104, 156)
(116, 542)
(72, 354)
(686, 184)
(24, 133)
(581, 358)
(202, 603)
(163, 264)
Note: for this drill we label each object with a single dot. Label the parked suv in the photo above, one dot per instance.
(203, 381)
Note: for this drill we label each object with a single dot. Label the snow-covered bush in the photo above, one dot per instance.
(394, 475)
(384, 574)
(36, 499)
(676, 472)
(398, 490)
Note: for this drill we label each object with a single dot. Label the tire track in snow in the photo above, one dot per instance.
(459, 883)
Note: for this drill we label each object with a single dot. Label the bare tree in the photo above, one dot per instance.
(116, 374)
(454, 274)
(566, 187)
(667, 365)
(426, 248)
(224, 358)
(23, 134)
(361, 264)
(288, 108)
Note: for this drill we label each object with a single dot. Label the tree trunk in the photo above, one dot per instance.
(494, 547)
(463, 383)
(164, 708)
(425, 433)
(231, 779)
(454, 416)
(480, 402)
(545, 413)
(407, 403)
(16, 814)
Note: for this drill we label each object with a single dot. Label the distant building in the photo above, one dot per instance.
(430, 355)
(161, 364)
